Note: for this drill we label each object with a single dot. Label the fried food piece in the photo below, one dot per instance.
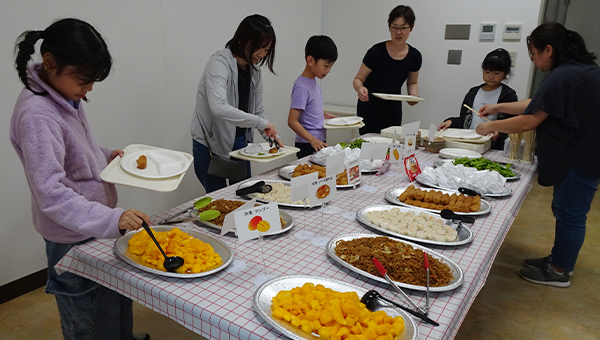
(403, 197)
(437, 197)
(420, 195)
(445, 199)
(142, 162)
(428, 197)
(273, 150)
(431, 205)
(439, 207)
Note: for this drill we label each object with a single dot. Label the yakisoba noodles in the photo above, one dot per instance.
(402, 262)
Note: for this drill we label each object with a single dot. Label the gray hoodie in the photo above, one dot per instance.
(216, 115)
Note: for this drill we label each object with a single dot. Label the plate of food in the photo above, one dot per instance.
(226, 206)
(403, 261)
(458, 153)
(398, 97)
(504, 169)
(506, 190)
(290, 171)
(341, 121)
(154, 163)
(269, 303)
(137, 249)
(261, 150)
(414, 225)
(280, 194)
(459, 203)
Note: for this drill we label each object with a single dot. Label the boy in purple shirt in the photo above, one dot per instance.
(306, 115)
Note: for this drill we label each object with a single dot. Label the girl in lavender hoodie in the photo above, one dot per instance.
(62, 162)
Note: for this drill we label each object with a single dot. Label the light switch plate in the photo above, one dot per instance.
(454, 57)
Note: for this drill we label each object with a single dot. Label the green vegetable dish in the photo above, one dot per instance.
(357, 143)
(485, 164)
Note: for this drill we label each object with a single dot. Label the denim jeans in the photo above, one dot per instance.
(87, 310)
(571, 202)
(202, 160)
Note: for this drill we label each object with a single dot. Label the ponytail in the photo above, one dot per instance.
(24, 48)
(566, 45)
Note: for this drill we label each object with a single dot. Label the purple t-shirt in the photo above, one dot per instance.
(306, 97)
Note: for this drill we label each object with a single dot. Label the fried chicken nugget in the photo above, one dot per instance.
(445, 199)
(428, 197)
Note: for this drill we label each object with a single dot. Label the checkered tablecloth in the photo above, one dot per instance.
(220, 306)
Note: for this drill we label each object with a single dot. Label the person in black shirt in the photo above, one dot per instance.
(385, 68)
(565, 113)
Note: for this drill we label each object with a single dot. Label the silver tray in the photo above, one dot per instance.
(517, 175)
(392, 197)
(268, 181)
(220, 248)
(321, 162)
(263, 297)
(286, 217)
(286, 172)
(456, 271)
(507, 190)
(464, 234)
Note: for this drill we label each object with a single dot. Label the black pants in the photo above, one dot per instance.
(305, 150)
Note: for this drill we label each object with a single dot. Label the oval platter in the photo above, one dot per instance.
(392, 197)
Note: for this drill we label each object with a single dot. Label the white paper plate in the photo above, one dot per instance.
(462, 134)
(398, 97)
(266, 154)
(340, 121)
(376, 139)
(458, 153)
(161, 163)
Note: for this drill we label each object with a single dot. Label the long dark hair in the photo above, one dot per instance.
(72, 42)
(254, 33)
(566, 44)
(497, 60)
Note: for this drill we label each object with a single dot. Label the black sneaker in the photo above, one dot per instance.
(540, 262)
(545, 275)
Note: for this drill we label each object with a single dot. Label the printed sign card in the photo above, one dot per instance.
(250, 223)
(353, 171)
(373, 150)
(299, 186)
(322, 190)
(409, 133)
(334, 164)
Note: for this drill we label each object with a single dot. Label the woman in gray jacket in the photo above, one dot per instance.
(229, 98)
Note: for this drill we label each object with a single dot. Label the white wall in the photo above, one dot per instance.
(161, 47)
(356, 26)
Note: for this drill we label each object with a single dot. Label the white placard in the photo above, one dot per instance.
(322, 190)
(334, 164)
(229, 222)
(299, 186)
(373, 150)
(432, 132)
(397, 153)
(353, 171)
(409, 133)
(250, 223)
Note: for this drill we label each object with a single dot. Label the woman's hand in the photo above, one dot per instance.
(270, 131)
(495, 135)
(488, 109)
(116, 153)
(484, 128)
(363, 94)
(445, 125)
(132, 220)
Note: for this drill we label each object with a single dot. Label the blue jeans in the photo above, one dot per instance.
(87, 310)
(202, 160)
(571, 202)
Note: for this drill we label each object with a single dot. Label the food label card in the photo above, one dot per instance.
(373, 150)
(396, 153)
(432, 132)
(299, 186)
(334, 164)
(353, 171)
(250, 223)
(322, 190)
(409, 133)
(229, 222)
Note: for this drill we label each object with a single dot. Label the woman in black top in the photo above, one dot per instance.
(565, 113)
(385, 68)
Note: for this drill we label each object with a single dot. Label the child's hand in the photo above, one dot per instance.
(413, 103)
(132, 220)
(329, 115)
(317, 144)
(363, 94)
(116, 153)
(445, 125)
(279, 142)
(270, 131)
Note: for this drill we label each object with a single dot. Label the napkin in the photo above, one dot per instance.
(455, 176)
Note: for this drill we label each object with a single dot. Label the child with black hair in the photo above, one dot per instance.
(71, 205)
(496, 68)
(306, 115)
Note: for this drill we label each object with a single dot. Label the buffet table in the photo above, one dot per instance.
(220, 306)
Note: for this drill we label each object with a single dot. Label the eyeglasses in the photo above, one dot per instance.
(402, 29)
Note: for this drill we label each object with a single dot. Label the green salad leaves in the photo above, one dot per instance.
(485, 164)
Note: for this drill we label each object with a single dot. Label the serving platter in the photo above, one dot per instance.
(464, 234)
(456, 271)
(398, 97)
(272, 181)
(507, 191)
(263, 297)
(517, 175)
(122, 243)
(287, 171)
(392, 197)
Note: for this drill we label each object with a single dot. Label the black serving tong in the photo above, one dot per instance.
(259, 187)
(468, 191)
(272, 142)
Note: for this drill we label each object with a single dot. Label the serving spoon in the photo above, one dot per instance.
(171, 262)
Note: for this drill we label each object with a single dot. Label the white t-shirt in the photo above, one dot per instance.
(482, 98)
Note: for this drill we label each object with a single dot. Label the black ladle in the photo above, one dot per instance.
(259, 186)
(171, 262)
(373, 301)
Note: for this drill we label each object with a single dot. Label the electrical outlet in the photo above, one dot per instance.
(513, 57)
